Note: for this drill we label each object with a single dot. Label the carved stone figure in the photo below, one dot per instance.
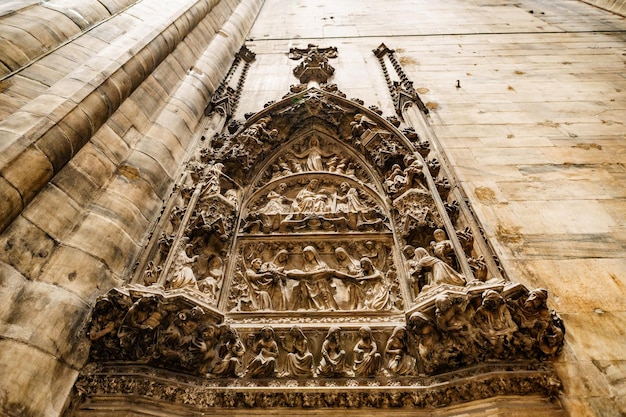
(400, 362)
(215, 273)
(204, 348)
(277, 203)
(107, 317)
(377, 296)
(455, 320)
(212, 178)
(494, 322)
(430, 349)
(173, 342)
(359, 125)
(349, 295)
(442, 247)
(313, 155)
(415, 272)
(315, 291)
(442, 273)
(311, 199)
(184, 276)
(347, 200)
(299, 363)
(136, 334)
(538, 325)
(367, 359)
(262, 284)
(333, 362)
(264, 363)
(231, 352)
(282, 299)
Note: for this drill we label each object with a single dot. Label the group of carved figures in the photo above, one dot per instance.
(351, 285)
(463, 329)
(425, 270)
(314, 208)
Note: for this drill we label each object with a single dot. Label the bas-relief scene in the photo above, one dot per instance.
(317, 241)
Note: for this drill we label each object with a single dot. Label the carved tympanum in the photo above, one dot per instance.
(318, 212)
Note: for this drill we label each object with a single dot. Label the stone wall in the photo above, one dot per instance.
(99, 104)
(102, 100)
(535, 133)
(615, 6)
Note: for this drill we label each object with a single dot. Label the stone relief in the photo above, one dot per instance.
(302, 279)
(315, 205)
(312, 249)
(447, 332)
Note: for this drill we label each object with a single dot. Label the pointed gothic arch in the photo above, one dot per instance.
(311, 233)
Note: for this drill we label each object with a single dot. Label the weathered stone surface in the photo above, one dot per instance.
(55, 379)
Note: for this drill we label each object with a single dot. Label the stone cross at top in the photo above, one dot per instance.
(315, 68)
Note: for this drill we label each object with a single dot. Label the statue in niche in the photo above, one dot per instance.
(315, 290)
(215, 273)
(212, 178)
(262, 283)
(277, 203)
(377, 296)
(400, 362)
(184, 277)
(231, 195)
(349, 295)
(416, 273)
(333, 362)
(367, 359)
(229, 365)
(313, 155)
(299, 363)
(537, 324)
(442, 247)
(442, 273)
(311, 199)
(494, 322)
(264, 363)
(401, 180)
(347, 200)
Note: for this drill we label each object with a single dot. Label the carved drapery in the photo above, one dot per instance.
(316, 245)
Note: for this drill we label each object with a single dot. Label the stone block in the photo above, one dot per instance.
(138, 191)
(78, 272)
(12, 56)
(38, 305)
(120, 210)
(110, 144)
(57, 146)
(28, 172)
(25, 247)
(152, 171)
(27, 43)
(11, 203)
(39, 386)
(104, 239)
(54, 212)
